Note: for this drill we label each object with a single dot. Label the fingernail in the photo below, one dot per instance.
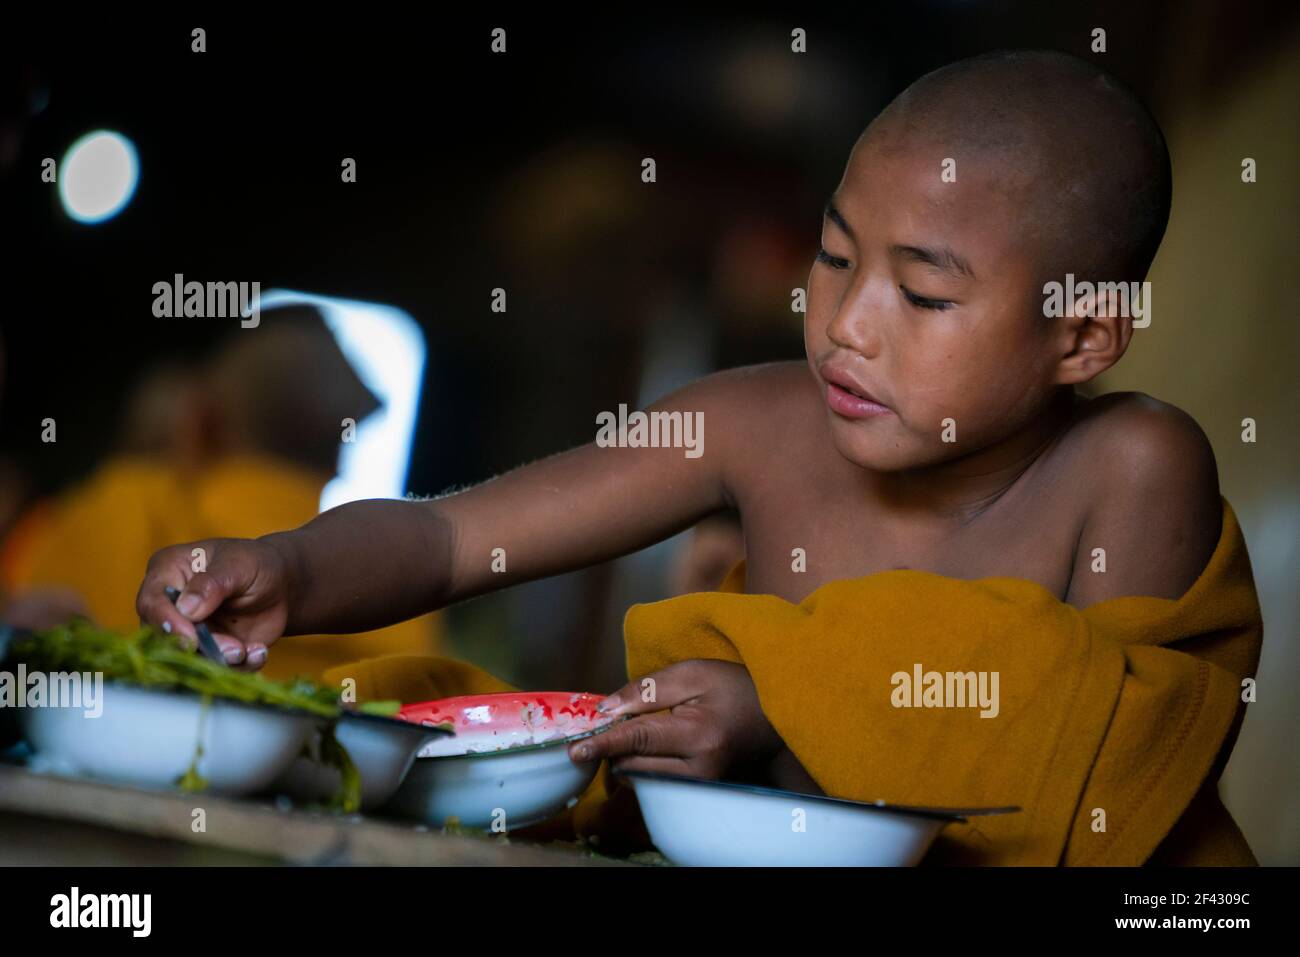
(167, 627)
(233, 655)
(607, 704)
(187, 604)
(257, 656)
(582, 752)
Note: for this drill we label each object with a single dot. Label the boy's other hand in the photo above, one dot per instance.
(712, 725)
(241, 592)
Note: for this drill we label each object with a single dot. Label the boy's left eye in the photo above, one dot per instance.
(924, 302)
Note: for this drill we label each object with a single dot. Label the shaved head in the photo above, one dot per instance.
(1077, 154)
(284, 388)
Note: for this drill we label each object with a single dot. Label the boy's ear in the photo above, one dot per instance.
(1094, 335)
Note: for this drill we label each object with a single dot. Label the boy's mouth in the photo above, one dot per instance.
(846, 397)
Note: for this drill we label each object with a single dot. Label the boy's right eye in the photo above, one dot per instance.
(833, 261)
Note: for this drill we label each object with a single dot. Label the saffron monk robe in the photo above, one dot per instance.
(930, 487)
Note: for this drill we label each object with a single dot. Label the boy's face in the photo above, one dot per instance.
(931, 304)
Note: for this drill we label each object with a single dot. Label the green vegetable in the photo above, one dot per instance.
(191, 780)
(382, 708)
(150, 659)
(348, 798)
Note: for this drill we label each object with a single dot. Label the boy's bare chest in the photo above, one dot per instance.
(797, 541)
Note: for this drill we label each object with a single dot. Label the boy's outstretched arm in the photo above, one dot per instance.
(368, 564)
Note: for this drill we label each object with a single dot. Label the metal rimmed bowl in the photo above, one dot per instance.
(148, 737)
(703, 823)
(508, 765)
(382, 749)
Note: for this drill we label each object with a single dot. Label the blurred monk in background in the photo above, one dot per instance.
(240, 447)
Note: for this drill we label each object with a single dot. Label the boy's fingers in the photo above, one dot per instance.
(202, 596)
(169, 567)
(656, 765)
(652, 736)
(155, 608)
(655, 692)
(255, 657)
(232, 649)
(620, 700)
(161, 613)
(240, 654)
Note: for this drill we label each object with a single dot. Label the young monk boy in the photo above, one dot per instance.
(934, 428)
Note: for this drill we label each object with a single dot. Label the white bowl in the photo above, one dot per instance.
(508, 765)
(382, 749)
(702, 823)
(503, 790)
(147, 737)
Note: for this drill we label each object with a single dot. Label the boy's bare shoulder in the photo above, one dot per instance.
(1153, 495)
(1134, 438)
(791, 374)
(749, 412)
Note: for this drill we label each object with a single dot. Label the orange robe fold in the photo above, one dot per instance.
(1112, 722)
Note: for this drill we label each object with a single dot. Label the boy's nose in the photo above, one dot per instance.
(856, 327)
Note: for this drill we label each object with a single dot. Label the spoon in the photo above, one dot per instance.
(207, 644)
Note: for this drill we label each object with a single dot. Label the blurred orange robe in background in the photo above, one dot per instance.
(98, 537)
